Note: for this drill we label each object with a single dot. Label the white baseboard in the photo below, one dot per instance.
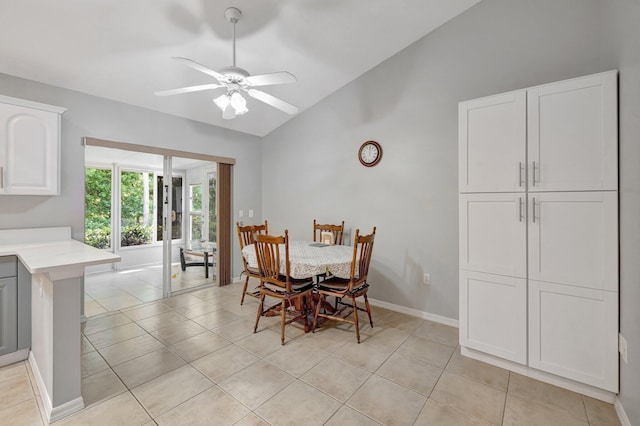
(542, 376)
(414, 312)
(53, 413)
(14, 357)
(622, 415)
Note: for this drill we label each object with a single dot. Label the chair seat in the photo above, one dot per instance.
(336, 285)
(252, 271)
(297, 286)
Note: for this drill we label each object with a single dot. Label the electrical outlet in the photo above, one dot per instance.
(250, 213)
(241, 213)
(623, 347)
(426, 279)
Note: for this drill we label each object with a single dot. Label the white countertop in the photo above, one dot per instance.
(52, 255)
(52, 251)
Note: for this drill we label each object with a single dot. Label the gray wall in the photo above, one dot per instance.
(409, 104)
(103, 119)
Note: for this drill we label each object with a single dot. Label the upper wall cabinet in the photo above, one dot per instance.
(573, 134)
(492, 142)
(556, 137)
(29, 147)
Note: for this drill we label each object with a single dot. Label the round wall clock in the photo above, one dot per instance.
(370, 153)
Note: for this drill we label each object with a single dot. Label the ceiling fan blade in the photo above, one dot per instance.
(273, 101)
(189, 89)
(282, 77)
(199, 67)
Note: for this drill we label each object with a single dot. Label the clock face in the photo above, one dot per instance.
(370, 153)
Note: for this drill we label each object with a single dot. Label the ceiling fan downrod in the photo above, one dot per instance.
(233, 15)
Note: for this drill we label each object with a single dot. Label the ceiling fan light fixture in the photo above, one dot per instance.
(239, 104)
(222, 101)
(229, 113)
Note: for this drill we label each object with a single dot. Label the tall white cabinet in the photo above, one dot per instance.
(538, 183)
(29, 147)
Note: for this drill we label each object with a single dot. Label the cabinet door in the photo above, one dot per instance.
(492, 143)
(573, 239)
(29, 151)
(8, 315)
(574, 333)
(493, 315)
(572, 134)
(493, 233)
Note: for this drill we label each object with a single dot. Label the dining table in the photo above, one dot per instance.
(309, 259)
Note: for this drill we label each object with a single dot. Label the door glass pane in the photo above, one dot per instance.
(176, 208)
(195, 198)
(97, 204)
(213, 220)
(136, 204)
(196, 227)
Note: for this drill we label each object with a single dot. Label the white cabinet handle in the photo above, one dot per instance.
(520, 209)
(533, 213)
(520, 174)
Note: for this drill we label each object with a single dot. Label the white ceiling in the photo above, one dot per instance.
(121, 50)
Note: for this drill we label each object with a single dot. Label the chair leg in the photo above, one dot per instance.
(255, 328)
(355, 317)
(283, 318)
(244, 290)
(305, 310)
(315, 317)
(366, 304)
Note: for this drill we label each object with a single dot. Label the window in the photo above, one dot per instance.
(196, 221)
(136, 208)
(130, 195)
(97, 204)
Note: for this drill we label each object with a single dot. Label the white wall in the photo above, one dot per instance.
(409, 105)
(100, 118)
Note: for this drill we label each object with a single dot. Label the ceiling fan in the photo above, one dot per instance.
(236, 80)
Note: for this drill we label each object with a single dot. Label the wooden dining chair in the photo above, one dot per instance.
(336, 230)
(245, 237)
(352, 288)
(292, 293)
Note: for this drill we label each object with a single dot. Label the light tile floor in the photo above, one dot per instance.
(194, 360)
(115, 290)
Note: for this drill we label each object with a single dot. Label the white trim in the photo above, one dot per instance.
(416, 313)
(624, 420)
(14, 357)
(31, 104)
(66, 409)
(542, 376)
(53, 413)
(42, 388)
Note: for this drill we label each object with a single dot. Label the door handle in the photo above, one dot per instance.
(520, 168)
(1, 177)
(520, 216)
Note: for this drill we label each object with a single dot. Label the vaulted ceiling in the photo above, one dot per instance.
(121, 50)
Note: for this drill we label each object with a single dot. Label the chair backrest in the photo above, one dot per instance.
(363, 245)
(245, 236)
(336, 230)
(268, 253)
(245, 233)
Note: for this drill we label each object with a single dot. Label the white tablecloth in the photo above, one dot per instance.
(307, 261)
